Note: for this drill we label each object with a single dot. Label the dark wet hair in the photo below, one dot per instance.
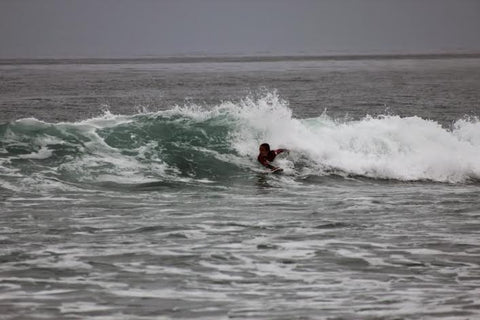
(266, 146)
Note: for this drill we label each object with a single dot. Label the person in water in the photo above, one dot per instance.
(266, 156)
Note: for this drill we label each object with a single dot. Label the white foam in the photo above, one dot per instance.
(389, 147)
(82, 307)
(468, 130)
(41, 154)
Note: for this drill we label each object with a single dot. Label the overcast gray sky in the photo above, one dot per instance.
(139, 28)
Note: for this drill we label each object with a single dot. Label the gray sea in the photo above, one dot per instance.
(130, 189)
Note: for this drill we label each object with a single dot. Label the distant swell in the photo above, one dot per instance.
(194, 144)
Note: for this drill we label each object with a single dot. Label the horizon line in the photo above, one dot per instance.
(238, 58)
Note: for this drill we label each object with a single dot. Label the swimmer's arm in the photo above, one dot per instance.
(265, 162)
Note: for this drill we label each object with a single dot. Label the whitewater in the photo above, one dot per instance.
(134, 192)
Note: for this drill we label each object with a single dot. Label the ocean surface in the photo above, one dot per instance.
(131, 190)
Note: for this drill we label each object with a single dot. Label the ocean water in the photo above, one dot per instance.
(131, 190)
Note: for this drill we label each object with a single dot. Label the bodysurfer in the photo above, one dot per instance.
(266, 156)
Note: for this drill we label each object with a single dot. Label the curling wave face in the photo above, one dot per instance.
(195, 144)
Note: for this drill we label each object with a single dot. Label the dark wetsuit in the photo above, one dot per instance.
(269, 158)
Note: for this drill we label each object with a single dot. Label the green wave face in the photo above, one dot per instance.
(122, 149)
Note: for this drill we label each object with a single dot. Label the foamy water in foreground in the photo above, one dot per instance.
(165, 213)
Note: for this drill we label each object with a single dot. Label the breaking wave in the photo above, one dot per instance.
(220, 143)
